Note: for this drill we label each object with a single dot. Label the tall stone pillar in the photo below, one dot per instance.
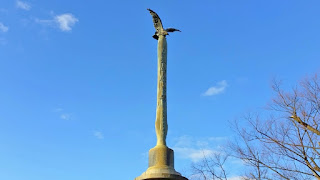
(161, 158)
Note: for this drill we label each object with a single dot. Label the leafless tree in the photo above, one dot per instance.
(284, 141)
(211, 167)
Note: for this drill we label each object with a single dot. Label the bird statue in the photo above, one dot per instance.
(158, 25)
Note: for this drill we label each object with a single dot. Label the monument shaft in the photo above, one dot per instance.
(161, 113)
(161, 157)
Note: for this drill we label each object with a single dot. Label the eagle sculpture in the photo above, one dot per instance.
(158, 25)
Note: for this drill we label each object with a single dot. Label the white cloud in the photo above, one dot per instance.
(23, 5)
(65, 21)
(57, 110)
(193, 154)
(44, 21)
(63, 114)
(3, 28)
(236, 178)
(98, 134)
(219, 88)
(196, 149)
(66, 116)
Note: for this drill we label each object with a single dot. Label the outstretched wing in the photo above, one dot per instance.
(172, 30)
(156, 20)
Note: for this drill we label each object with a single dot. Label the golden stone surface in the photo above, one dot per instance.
(161, 113)
(161, 158)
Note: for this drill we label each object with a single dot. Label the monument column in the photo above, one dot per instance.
(161, 158)
(161, 113)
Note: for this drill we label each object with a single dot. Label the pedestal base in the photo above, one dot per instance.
(161, 165)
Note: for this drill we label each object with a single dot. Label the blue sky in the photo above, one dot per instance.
(78, 79)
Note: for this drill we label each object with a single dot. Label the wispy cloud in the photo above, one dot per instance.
(193, 154)
(66, 116)
(237, 178)
(46, 22)
(65, 21)
(98, 134)
(23, 5)
(63, 114)
(217, 89)
(57, 110)
(196, 149)
(3, 28)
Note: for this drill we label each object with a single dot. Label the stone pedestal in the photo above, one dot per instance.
(161, 165)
